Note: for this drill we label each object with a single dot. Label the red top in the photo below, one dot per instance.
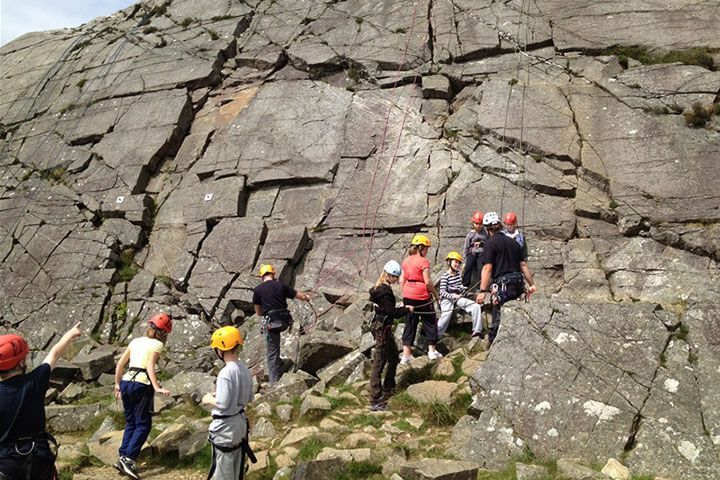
(415, 287)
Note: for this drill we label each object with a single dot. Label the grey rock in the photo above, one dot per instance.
(432, 391)
(317, 349)
(525, 471)
(574, 471)
(71, 393)
(436, 86)
(339, 371)
(263, 428)
(70, 418)
(313, 406)
(440, 469)
(95, 363)
(284, 412)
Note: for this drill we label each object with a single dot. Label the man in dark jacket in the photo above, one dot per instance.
(504, 271)
(24, 443)
(270, 301)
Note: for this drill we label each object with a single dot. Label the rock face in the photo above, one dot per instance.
(152, 159)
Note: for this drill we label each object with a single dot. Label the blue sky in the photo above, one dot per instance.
(21, 16)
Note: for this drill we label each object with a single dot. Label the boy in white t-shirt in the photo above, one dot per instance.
(228, 431)
(137, 388)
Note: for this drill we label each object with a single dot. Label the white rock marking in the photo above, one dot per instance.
(600, 410)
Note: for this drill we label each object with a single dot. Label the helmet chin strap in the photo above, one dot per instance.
(220, 354)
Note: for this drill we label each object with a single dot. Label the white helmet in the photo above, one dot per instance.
(491, 218)
(392, 267)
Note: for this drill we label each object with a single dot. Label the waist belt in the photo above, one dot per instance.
(219, 417)
(135, 371)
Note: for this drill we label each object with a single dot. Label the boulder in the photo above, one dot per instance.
(320, 348)
(433, 391)
(313, 406)
(95, 363)
(70, 418)
(439, 469)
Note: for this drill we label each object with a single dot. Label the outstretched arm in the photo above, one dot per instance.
(59, 348)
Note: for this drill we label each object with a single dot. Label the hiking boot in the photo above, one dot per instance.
(126, 466)
(434, 355)
(405, 360)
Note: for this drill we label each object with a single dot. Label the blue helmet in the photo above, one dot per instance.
(392, 267)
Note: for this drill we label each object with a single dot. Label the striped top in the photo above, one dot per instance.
(451, 284)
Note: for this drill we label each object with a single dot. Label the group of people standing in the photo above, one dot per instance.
(498, 251)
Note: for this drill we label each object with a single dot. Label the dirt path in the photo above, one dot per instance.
(152, 473)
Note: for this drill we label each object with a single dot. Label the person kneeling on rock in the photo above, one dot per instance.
(24, 443)
(385, 352)
(228, 432)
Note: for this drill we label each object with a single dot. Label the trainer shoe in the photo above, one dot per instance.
(127, 467)
(434, 355)
(378, 407)
(405, 360)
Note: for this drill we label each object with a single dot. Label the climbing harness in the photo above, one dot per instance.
(277, 320)
(509, 286)
(26, 448)
(247, 451)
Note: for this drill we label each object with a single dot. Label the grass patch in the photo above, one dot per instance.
(165, 280)
(405, 426)
(366, 420)
(148, 30)
(213, 34)
(121, 310)
(358, 470)
(699, 115)
(435, 414)
(126, 267)
(339, 402)
(186, 22)
(81, 83)
(693, 56)
(311, 448)
(450, 133)
(682, 332)
(106, 399)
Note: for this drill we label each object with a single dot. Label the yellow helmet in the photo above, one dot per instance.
(226, 338)
(420, 239)
(454, 256)
(265, 269)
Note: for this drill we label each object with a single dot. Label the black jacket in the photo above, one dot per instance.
(384, 299)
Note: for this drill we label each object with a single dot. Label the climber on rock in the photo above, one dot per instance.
(473, 249)
(504, 272)
(270, 301)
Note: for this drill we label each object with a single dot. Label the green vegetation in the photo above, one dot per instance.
(213, 34)
(126, 267)
(613, 204)
(693, 56)
(68, 108)
(81, 83)
(353, 74)
(436, 414)
(186, 22)
(53, 175)
(121, 310)
(359, 20)
(311, 448)
(165, 280)
(682, 332)
(450, 133)
(148, 30)
(512, 81)
(700, 115)
(457, 362)
(360, 470)
(366, 420)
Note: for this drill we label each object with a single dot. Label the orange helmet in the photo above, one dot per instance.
(13, 348)
(477, 217)
(510, 218)
(161, 321)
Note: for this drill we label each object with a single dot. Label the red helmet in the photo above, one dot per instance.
(477, 217)
(510, 218)
(13, 348)
(162, 321)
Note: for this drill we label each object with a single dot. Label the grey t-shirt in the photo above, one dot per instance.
(233, 390)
